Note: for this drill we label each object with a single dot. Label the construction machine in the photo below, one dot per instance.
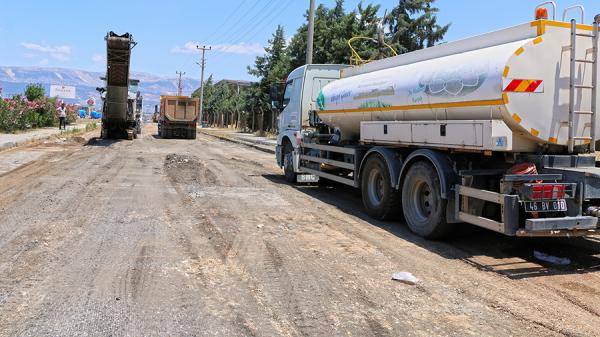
(118, 110)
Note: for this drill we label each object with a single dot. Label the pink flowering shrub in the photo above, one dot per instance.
(18, 113)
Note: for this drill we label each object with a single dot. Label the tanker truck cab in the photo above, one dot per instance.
(302, 89)
(497, 130)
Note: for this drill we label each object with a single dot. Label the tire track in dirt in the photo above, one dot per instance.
(34, 266)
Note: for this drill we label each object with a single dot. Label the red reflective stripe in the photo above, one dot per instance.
(548, 192)
(548, 189)
(513, 85)
(533, 86)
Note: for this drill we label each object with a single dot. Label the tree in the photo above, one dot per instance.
(257, 102)
(271, 68)
(34, 92)
(208, 100)
(333, 28)
(413, 25)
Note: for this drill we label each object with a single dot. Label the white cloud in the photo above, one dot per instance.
(10, 73)
(242, 48)
(44, 62)
(62, 53)
(98, 58)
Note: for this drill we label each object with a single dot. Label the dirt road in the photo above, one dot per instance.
(203, 238)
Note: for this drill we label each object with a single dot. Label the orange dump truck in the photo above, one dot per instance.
(178, 117)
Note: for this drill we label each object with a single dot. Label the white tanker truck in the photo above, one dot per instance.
(497, 130)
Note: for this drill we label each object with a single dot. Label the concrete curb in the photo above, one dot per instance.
(37, 140)
(32, 141)
(262, 148)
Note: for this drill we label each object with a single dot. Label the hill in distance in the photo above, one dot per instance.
(13, 80)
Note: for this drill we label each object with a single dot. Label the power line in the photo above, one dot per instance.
(253, 30)
(249, 22)
(275, 11)
(229, 31)
(218, 29)
(256, 23)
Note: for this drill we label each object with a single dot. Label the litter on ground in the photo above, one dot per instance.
(562, 261)
(405, 277)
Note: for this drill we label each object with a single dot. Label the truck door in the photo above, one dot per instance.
(290, 117)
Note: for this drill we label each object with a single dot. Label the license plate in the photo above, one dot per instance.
(307, 178)
(559, 205)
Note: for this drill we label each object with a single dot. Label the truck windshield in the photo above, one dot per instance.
(133, 88)
(287, 95)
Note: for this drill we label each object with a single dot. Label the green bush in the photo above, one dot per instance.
(34, 92)
(91, 126)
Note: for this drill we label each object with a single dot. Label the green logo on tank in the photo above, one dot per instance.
(321, 101)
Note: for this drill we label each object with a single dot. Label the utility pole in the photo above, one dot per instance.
(179, 87)
(202, 64)
(311, 32)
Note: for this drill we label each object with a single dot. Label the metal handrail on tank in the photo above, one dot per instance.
(355, 58)
(580, 7)
(543, 4)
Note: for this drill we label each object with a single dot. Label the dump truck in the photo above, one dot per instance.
(118, 110)
(178, 117)
(498, 131)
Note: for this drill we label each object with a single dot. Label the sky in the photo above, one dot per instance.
(70, 33)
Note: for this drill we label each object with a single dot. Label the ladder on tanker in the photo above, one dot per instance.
(575, 85)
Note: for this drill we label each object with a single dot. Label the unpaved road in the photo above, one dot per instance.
(203, 238)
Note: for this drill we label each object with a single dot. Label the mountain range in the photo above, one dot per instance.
(13, 80)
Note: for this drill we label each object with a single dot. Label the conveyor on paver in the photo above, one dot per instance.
(118, 119)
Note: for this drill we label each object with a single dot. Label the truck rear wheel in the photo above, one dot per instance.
(288, 163)
(380, 199)
(422, 203)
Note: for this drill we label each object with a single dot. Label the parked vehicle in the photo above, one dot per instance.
(178, 117)
(497, 130)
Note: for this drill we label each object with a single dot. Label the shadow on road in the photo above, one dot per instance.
(96, 141)
(483, 249)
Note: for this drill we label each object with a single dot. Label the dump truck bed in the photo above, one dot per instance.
(178, 116)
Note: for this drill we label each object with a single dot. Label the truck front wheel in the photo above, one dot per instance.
(288, 163)
(380, 198)
(422, 203)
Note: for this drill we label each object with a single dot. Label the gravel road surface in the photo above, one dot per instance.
(157, 237)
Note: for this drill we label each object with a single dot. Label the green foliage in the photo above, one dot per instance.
(19, 113)
(222, 103)
(271, 69)
(91, 126)
(333, 28)
(34, 92)
(413, 25)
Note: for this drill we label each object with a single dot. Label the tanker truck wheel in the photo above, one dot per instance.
(288, 163)
(422, 203)
(380, 198)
